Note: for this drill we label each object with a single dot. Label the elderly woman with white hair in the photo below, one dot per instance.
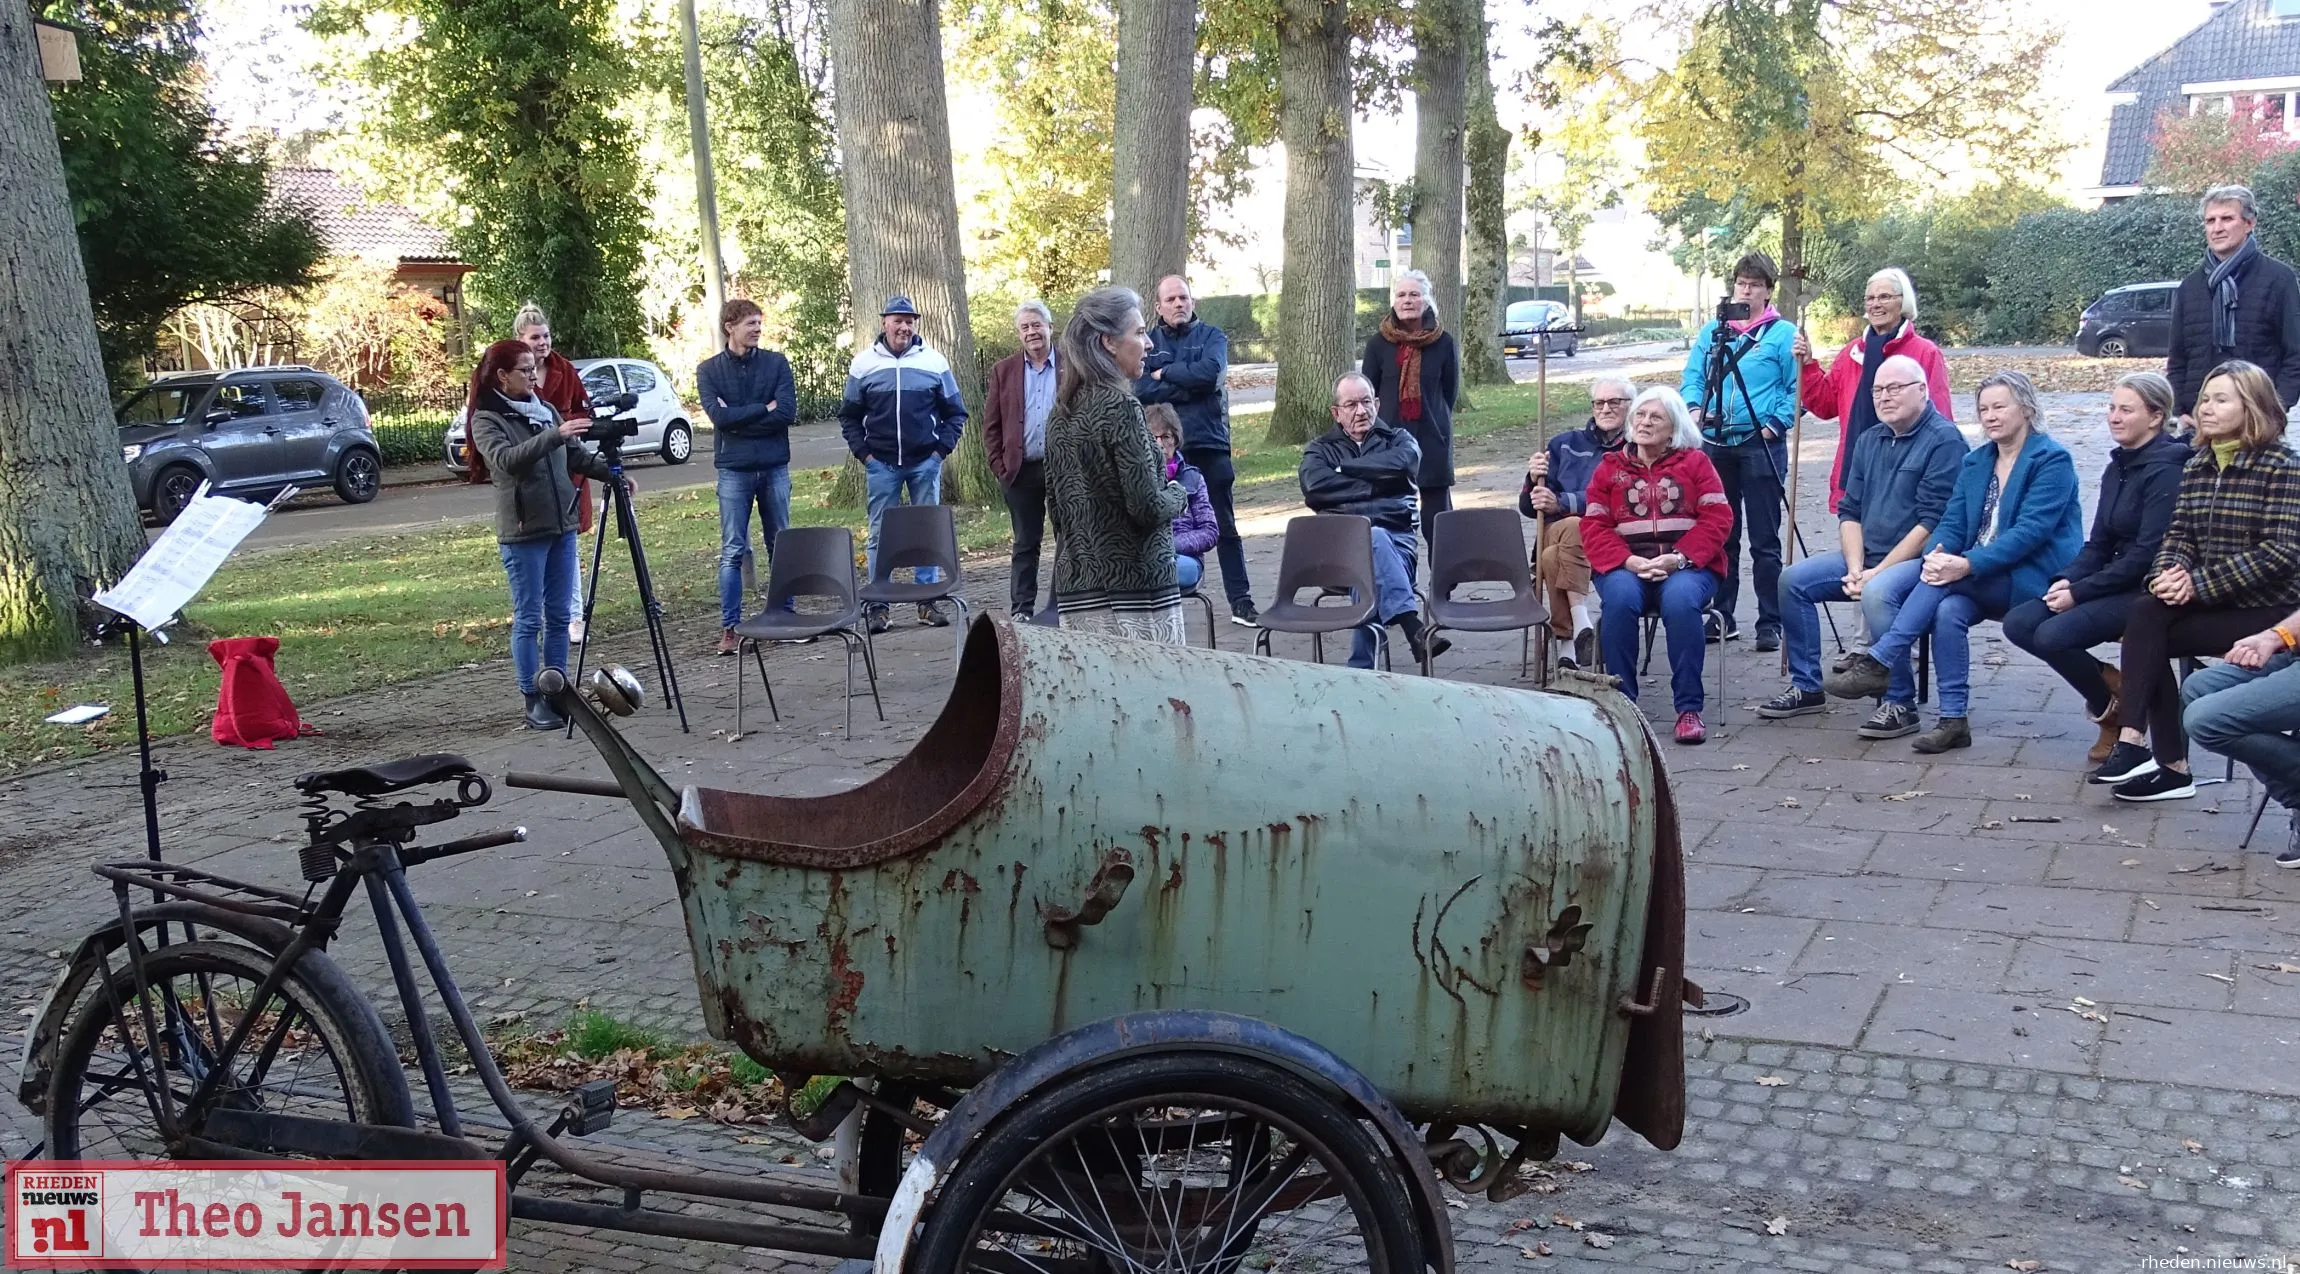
(1654, 529)
(1844, 391)
(1416, 373)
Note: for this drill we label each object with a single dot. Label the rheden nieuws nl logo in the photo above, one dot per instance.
(290, 1214)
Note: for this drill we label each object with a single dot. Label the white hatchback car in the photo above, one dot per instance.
(662, 418)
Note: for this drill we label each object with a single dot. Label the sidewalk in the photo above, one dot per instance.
(1995, 1002)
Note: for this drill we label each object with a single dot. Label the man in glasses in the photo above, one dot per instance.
(1556, 487)
(1896, 489)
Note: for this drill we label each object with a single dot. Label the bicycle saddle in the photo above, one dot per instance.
(391, 776)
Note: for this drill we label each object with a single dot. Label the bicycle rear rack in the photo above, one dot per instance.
(216, 891)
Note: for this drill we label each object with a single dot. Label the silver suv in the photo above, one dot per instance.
(246, 432)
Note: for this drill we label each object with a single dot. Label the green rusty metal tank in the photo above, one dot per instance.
(1470, 893)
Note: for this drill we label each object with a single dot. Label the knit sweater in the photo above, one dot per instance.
(2236, 531)
(1112, 507)
(1674, 505)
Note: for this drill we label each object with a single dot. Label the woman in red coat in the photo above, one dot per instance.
(1654, 530)
(1842, 392)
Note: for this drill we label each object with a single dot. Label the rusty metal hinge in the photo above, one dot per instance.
(1102, 893)
(1555, 950)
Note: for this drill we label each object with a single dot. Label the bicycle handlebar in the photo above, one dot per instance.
(554, 783)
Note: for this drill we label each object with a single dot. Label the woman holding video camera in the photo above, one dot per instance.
(534, 455)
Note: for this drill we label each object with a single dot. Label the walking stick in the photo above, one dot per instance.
(1796, 446)
(1541, 447)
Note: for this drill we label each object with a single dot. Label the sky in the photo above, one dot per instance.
(258, 55)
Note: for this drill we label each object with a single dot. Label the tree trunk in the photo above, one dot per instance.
(1317, 303)
(68, 523)
(1150, 196)
(901, 208)
(1439, 107)
(1792, 302)
(1485, 274)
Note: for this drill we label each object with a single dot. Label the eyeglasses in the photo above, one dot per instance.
(1355, 405)
(1883, 390)
(1602, 404)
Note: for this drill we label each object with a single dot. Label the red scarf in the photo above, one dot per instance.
(1410, 346)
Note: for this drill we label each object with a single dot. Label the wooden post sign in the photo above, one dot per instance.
(59, 53)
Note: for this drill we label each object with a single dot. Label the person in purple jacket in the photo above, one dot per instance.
(1195, 532)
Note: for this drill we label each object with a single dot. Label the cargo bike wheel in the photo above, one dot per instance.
(1175, 1162)
(310, 1052)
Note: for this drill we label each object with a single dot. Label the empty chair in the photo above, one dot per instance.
(1483, 546)
(918, 535)
(1194, 595)
(810, 562)
(1324, 551)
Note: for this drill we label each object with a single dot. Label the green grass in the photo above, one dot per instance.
(594, 1035)
(371, 611)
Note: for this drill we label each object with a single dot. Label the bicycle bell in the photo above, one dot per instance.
(615, 689)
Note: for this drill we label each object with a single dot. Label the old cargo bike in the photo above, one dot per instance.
(1143, 958)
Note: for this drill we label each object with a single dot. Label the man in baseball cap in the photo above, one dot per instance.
(901, 414)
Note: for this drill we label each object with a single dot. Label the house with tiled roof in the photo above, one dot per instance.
(352, 225)
(2244, 58)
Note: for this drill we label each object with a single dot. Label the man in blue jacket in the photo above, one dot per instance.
(1189, 367)
(1904, 470)
(901, 414)
(1741, 382)
(748, 394)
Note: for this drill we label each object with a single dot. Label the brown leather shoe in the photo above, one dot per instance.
(2100, 749)
(729, 643)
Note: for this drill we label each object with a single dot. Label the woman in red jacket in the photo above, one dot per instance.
(1654, 530)
(1842, 392)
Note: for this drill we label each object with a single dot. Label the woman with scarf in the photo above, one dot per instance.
(1416, 373)
(559, 384)
(1842, 392)
(533, 454)
(1740, 383)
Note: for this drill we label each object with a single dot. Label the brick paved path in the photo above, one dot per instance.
(1909, 964)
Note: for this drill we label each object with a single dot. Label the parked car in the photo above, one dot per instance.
(663, 426)
(1526, 325)
(248, 431)
(2128, 322)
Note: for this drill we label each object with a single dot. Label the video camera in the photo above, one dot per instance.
(611, 422)
(1727, 311)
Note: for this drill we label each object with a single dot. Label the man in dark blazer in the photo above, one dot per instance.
(2240, 303)
(1014, 414)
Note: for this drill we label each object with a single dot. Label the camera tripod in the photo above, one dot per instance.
(626, 523)
(1723, 363)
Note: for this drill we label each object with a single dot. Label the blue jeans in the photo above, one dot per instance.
(540, 572)
(1680, 599)
(1188, 571)
(1751, 473)
(2249, 714)
(885, 484)
(1229, 549)
(1948, 612)
(1393, 590)
(1821, 579)
(739, 489)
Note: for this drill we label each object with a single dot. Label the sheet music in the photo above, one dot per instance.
(182, 561)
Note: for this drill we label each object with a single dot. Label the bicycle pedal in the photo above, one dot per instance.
(590, 1109)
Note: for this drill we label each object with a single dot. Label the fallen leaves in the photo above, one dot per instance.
(1777, 1226)
(1791, 803)
(2192, 1145)
(2134, 1182)
(2024, 1266)
(1908, 795)
(1538, 1249)
(1772, 1081)
(2278, 967)
(1598, 1239)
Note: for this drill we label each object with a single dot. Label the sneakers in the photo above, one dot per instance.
(1949, 732)
(1864, 678)
(877, 620)
(1889, 721)
(1245, 616)
(1721, 628)
(729, 643)
(2159, 784)
(1768, 637)
(1690, 729)
(932, 618)
(1845, 660)
(1793, 703)
(2291, 855)
(2124, 761)
(576, 631)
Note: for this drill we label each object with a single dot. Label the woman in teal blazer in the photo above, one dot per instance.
(2012, 523)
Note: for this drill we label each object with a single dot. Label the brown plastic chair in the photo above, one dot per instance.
(810, 561)
(918, 535)
(1483, 546)
(1325, 551)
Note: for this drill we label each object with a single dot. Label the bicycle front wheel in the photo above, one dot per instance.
(313, 1050)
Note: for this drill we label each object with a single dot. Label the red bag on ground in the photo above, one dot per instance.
(252, 707)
